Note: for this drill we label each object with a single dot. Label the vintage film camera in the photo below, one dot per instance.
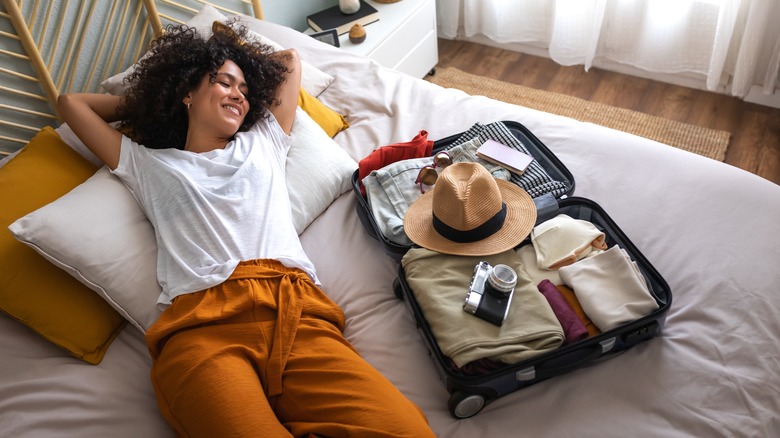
(490, 292)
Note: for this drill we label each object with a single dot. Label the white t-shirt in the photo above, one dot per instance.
(212, 210)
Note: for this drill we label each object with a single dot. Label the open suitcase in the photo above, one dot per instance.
(470, 393)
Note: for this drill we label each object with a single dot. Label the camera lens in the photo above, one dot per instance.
(502, 280)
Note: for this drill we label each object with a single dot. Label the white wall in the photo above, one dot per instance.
(292, 13)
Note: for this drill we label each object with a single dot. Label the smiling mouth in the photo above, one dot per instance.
(232, 109)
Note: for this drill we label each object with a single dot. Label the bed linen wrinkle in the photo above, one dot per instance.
(110, 398)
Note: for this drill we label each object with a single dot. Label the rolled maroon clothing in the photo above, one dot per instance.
(573, 328)
(571, 298)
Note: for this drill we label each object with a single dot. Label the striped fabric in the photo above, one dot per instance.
(535, 180)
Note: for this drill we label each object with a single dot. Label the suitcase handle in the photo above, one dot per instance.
(570, 361)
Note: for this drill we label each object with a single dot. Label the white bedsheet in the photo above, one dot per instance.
(710, 229)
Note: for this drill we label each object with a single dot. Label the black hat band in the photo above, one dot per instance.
(487, 229)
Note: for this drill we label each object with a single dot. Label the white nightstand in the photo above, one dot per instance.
(403, 39)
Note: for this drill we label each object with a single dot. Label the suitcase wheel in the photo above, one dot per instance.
(397, 289)
(464, 405)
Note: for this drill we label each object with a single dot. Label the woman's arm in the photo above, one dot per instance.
(89, 116)
(287, 93)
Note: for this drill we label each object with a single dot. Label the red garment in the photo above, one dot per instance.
(418, 147)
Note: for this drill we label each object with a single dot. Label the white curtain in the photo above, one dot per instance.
(719, 41)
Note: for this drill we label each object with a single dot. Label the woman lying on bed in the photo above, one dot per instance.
(248, 344)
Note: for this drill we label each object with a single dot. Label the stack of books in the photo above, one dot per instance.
(333, 18)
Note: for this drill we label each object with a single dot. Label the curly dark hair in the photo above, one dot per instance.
(152, 111)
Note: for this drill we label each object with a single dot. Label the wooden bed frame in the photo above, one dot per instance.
(40, 57)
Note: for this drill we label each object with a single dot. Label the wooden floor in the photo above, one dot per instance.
(755, 129)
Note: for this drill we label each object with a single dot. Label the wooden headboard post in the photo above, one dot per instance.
(154, 17)
(258, 9)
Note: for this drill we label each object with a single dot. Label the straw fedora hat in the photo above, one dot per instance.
(469, 212)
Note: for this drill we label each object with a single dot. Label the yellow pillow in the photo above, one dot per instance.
(32, 290)
(330, 121)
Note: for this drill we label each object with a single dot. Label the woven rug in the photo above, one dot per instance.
(710, 143)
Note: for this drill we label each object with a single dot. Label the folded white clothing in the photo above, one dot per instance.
(610, 288)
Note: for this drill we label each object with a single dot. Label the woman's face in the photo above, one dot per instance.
(220, 103)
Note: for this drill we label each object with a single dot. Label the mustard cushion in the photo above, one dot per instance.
(35, 292)
(330, 121)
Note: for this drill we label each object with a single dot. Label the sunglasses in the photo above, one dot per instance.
(428, 175)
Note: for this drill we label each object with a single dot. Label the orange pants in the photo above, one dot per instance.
(263, 355)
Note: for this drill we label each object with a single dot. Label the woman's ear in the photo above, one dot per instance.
(187, 101)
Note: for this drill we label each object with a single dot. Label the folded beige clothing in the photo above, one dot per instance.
(440, 282)
(563, 240)
(527, 255)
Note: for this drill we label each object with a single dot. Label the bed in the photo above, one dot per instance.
(710, 229)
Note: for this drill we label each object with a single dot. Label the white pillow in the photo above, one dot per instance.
(318, 170)
(313, 80)
(99, 234)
